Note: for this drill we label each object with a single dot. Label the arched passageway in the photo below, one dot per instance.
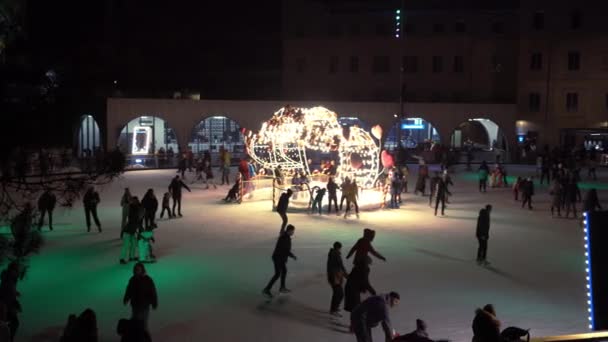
(482, 137)
(148, 141)
(216, 132)
(89, 139)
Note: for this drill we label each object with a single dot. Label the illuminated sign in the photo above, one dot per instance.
(412, 123)
(142, 137)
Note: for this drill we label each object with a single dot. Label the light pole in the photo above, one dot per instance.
(400, 35)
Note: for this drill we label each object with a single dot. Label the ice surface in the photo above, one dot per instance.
(215, 260)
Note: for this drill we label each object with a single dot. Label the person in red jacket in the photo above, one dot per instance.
(141, 293)
(363, 247)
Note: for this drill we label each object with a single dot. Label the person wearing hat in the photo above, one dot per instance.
(373, 311)
(282, 252)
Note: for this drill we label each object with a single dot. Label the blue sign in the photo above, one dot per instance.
(413, 123)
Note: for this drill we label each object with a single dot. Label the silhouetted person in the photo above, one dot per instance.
(150, 204)
(282, 252)
(166, 200)
(573, 195)
(81, 328)
(125, 201)
(90, 202)
(363, 247)
(317, 202)
(373, 311)
(132, 330)
(46, 204)
(418, 335)
(441, 193)
(527, 191)
(141, 294)
(483, 233)
(134, 224)
(175, 188)
(332, 189)
(282, 208)
(591, 201)
(483, 173)
(556, 197)
(356, 284)
(433, 187)
(9, 296)
(486, 327)
(345, 186)
(335, 276)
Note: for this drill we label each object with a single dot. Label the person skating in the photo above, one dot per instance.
(363, 247)
(282, 252)
(418, 335)
(373, 311)
(141, 294)
(150, 204)
(346, 188)
(46, 204)
(556, 197)
(545, 171)
(433, 187)
(483, 234)
(447, 180)
(145, 237)
(134, 224)
(332, 189)
(483, 173)
(527, 192)
(356, 284)
(351, 198)
(175, 188)
(395, 189)
(208, 170)
(591, 201)
(573, 195)
(125, 201)
(442, 193)
(166, 201)
(335, 276)
(517, 188)
(317, 202)
(486, 327)
(282, 208)
(90, 202)
(423, 174)
(182, 165)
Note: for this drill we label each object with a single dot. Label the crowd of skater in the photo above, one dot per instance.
(138, 222)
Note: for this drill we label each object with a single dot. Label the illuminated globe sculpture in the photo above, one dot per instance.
(284, 139)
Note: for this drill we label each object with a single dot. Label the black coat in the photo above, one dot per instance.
(47, 201)
(573, 193)
(91, 199)
(486, 328)
(357, 283)
(335, 267)
(175, 188)
(483, 224)
(150, 203)
(332, 188)
(141, 292)
(135, 218)
(283, 203)
(282, 250)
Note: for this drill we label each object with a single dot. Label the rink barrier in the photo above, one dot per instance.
(593, 336)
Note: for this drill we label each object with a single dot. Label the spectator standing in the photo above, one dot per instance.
(483, 234)
(125, 201)
(141, 294)
(150, 204)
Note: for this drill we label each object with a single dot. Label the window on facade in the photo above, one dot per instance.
(572, 102)
(574, 60)
(381, 29)
(460, 27)
(355, 29)
(437, 64)
(410, 64)
(534, 102)
(458, 64)
(333, 64)
(300, 64)
(381, 64)
(538, 20)
(576, 19)
(498, 27)
(438, 28)
(536, 61)
(409, 28)
(354, 64)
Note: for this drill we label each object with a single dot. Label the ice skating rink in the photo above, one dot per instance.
(214, 262)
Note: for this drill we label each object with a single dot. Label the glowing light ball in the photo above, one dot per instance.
(283, 140)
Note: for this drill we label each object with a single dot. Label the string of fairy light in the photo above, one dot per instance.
(283, 140)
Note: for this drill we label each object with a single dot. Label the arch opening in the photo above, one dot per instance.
(481, 136)
(216, 132)
(148, 141)
(89, 139)
(412, 134)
